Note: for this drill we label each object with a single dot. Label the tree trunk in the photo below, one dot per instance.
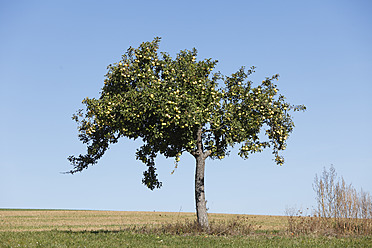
(201, 206)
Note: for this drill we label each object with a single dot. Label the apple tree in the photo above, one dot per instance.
(178, 105)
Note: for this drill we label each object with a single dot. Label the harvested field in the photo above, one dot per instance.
(77, 220)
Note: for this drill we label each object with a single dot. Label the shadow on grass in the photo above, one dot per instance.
(91, 231)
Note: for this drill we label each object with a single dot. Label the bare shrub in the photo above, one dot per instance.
(341, 209)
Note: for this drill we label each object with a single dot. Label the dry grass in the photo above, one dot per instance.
(77, 220)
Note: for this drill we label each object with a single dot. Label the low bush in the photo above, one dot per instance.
(238, 226)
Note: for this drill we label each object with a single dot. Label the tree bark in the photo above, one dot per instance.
(201, 206)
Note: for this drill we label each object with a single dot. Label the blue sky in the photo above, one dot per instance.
(55, 53)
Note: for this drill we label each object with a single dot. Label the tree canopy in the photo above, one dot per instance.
(178, 105)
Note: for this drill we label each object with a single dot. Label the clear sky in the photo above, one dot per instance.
(55, 53)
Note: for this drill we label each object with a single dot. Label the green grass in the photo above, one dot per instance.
(129, 239)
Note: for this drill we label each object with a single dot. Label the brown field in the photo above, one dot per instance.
(75, 220)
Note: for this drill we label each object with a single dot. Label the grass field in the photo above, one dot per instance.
(70, 228)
